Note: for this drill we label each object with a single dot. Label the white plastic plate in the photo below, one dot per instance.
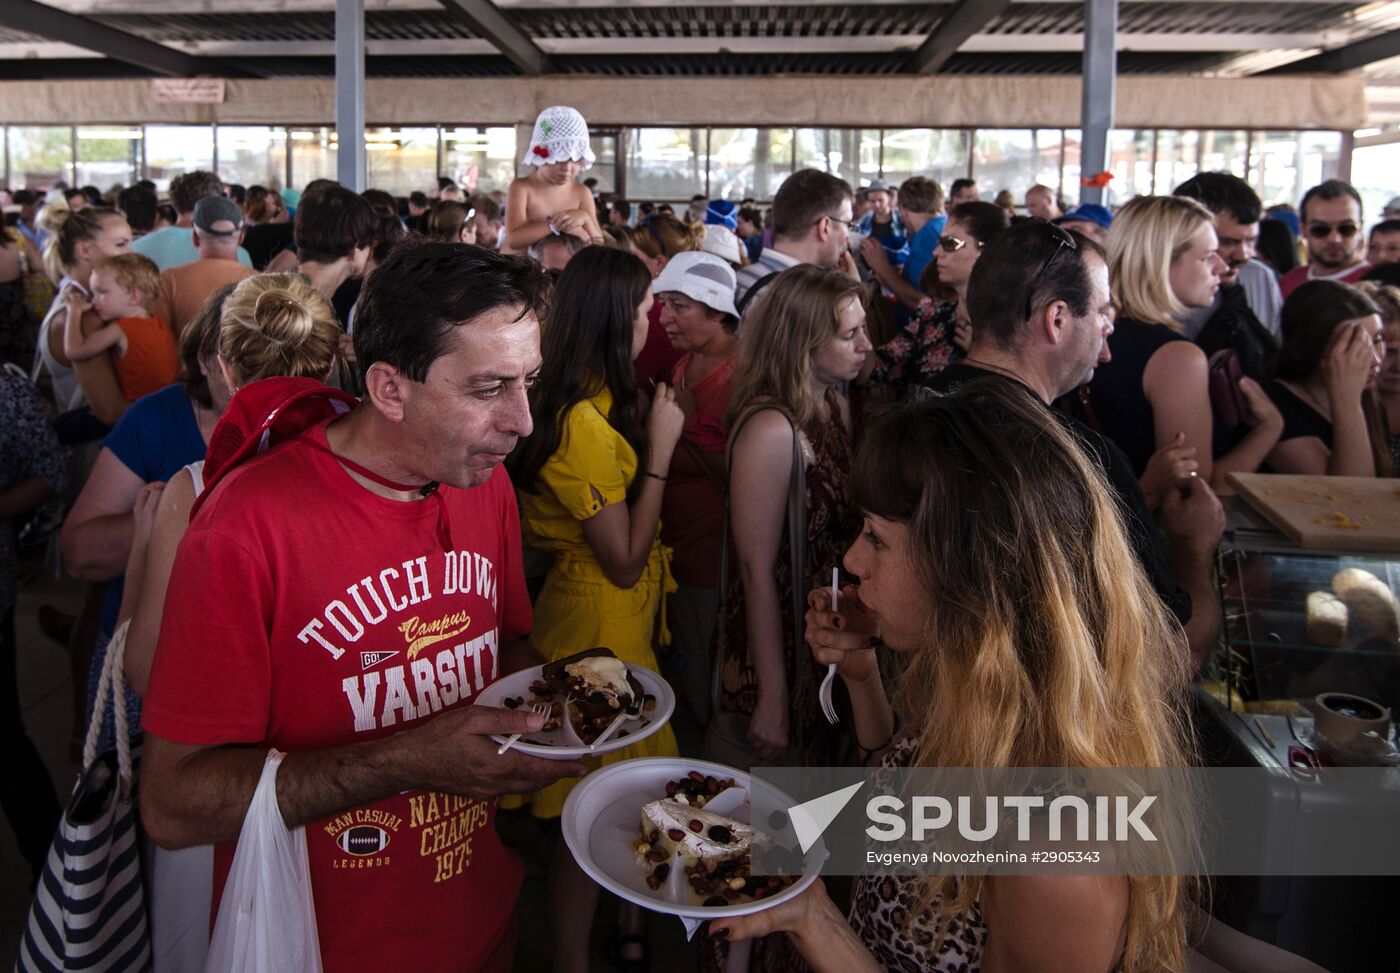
(600, 822)
(552, 745)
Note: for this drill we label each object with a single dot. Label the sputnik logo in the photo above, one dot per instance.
(811, 818)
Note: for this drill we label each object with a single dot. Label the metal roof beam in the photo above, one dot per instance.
(45, 21)
(952, 32)
(486, 21)
(1301, 45)
(1352, 57)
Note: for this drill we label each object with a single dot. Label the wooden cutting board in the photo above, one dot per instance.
(1330, 513)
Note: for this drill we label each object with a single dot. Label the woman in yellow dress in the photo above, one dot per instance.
(590, 480)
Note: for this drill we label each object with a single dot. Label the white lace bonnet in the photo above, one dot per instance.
(561, 135)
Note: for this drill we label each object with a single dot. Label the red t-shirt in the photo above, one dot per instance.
(692, 508)
(305, 612)
(658, 356)
(1299, 276)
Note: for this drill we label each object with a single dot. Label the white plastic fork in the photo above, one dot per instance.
(542, 709)
(824, 693)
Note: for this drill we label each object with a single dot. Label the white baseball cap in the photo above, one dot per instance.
(702, 277)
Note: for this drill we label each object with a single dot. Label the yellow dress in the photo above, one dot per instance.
(578, 607)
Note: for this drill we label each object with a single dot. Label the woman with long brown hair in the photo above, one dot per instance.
(1031, 638)
(803, 337)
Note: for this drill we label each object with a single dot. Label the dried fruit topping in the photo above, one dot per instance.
(696, 826)
(653, 882)
(720, 833)
(662, 872)
(675, 834)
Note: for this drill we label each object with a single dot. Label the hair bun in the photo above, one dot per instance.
(280, 315)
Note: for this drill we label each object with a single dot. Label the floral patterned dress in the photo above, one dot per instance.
(831, 525)
(920, 350)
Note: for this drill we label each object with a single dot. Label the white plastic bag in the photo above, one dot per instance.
(267, 920)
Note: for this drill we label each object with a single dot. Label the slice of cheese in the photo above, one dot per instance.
(667, 817)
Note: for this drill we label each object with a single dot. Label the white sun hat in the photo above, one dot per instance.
(701, 277)
(723, 243)
(561, 135)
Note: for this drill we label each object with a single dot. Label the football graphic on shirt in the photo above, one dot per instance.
(363, 840)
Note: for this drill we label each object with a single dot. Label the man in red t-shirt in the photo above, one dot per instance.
(1331, 218)
(344, 597)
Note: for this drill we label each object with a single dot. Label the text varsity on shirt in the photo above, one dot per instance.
(305, 612)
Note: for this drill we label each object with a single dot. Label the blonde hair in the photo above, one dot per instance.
(1044, 644)
(133, 272)
(1147, 236)
(794, 316)
(277, 324)
(665, 236)
(66, 230)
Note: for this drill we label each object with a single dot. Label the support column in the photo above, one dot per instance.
(1100, 73)
(350, 93)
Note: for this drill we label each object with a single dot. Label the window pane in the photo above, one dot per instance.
(1288, 164)
(851, 153)
(666, 163)
(1373, 170)
(175, 149)
(1321, 155)
(40, 157)
(749, 162)
(938, 153)
(479, 159)
(1178, 155)
(252, 155)
(313, 155)
(1006, 158)
(401, 160)
(1130, 161)
(1225, 152)
(604, 168)
(1069, 182)
(108, 156)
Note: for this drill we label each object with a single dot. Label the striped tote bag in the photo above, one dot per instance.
(89, 910)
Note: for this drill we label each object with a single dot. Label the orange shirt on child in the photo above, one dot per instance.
(151, 361)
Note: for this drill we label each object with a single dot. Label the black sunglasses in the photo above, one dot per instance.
(1063, 239)
(1321, 231)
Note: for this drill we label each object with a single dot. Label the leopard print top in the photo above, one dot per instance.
(880, 915)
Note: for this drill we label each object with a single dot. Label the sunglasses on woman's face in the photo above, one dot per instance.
(953, 244)
(1321, 231)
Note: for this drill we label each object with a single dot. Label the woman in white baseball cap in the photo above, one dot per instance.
(696, 294)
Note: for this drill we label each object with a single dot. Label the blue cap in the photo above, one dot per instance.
(721, 212)
(1287, 217)
(1088, 213)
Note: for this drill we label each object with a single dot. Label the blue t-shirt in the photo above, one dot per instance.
(921, 248)
(155, 438)
(173, 246)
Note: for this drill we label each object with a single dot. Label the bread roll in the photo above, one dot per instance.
(1370, 601)
(1327, 618)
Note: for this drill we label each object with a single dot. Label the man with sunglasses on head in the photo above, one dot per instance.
(1331, 218)
(1040, 297)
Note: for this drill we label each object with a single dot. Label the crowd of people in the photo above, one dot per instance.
(285, 432)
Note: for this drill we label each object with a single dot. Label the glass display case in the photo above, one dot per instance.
(1300, 622)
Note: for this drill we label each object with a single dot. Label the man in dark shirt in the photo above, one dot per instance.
(1040, 301)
